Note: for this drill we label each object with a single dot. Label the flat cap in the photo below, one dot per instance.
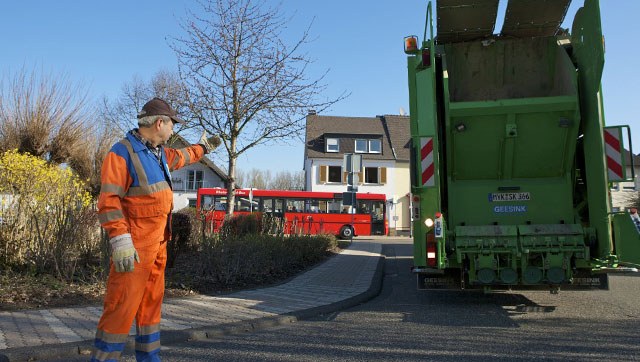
(159, 107)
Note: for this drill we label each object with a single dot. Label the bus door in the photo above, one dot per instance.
(375, 209)
(214, 208)
(296, 222)
(312, 224)
(379, 218)
(206, 203)
(275, 208)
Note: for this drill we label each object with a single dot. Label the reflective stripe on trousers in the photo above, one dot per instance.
(135, 295)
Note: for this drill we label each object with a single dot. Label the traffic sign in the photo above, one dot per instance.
(351, 162)
(349, 198)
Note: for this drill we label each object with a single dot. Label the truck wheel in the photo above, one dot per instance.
(346, 232)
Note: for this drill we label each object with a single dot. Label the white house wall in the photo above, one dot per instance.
(402, 209)
(181, 196)
(396, 188)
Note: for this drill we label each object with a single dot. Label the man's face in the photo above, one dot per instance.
(166, 130)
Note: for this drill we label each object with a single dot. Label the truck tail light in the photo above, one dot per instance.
(426, 57)
(431, 250)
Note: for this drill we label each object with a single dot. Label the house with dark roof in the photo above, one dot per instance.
(384, 144)
(187, 180)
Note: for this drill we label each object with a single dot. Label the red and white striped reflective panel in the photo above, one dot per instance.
(613, 151)
(426, 157)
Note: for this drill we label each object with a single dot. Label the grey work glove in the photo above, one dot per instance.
(209, 143)
(123, 253)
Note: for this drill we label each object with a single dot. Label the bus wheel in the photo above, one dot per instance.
(346, 232)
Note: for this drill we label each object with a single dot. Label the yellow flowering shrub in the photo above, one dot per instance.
(42, 211)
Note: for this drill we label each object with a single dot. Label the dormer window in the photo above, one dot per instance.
(375, 146)
(361, 146)
(368, 146)
(332, 145)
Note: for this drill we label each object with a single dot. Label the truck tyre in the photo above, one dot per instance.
(346, 232)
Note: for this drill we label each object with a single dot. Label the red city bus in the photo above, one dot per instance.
(304, 212)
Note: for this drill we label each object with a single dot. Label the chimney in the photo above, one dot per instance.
(312, 112)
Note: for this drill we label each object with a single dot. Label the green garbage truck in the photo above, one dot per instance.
(512, 162)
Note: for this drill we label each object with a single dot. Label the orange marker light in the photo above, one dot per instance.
(410, 44)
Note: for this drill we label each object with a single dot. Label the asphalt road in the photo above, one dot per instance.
(403, 324)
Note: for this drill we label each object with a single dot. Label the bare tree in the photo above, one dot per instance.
(88, 164)
(285, 180)
(245, 83)
(45, 116)
(257, 179)
(264, 179)
(241, 179)
(122, 112)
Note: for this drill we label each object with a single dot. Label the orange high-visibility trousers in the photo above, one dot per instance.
(137, 294)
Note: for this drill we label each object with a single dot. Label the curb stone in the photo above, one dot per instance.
(373, 291)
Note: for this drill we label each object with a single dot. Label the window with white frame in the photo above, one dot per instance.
(368, 145)
(361, 146)
(332, 145)
(375, 146)
(195, 179)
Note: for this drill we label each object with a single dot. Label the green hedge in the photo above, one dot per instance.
(248, 250)
(254, 258)
(186, 234)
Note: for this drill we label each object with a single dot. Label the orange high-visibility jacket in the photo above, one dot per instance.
(136, 194)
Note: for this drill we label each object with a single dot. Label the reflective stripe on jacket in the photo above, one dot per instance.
(136, 194)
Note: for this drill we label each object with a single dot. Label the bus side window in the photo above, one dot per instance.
(334, 206)
(322, 206)
(266, 205)
(255, 204)
(242, 204)
(207, 202)
(279, 206)
(312, 205)
(307, 205)
(295, 205)
(363, 207)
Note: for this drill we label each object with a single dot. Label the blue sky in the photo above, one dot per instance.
(104, 44)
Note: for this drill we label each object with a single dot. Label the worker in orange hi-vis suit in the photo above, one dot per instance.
(134, 207)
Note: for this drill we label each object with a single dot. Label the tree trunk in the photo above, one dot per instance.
(231, 194)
